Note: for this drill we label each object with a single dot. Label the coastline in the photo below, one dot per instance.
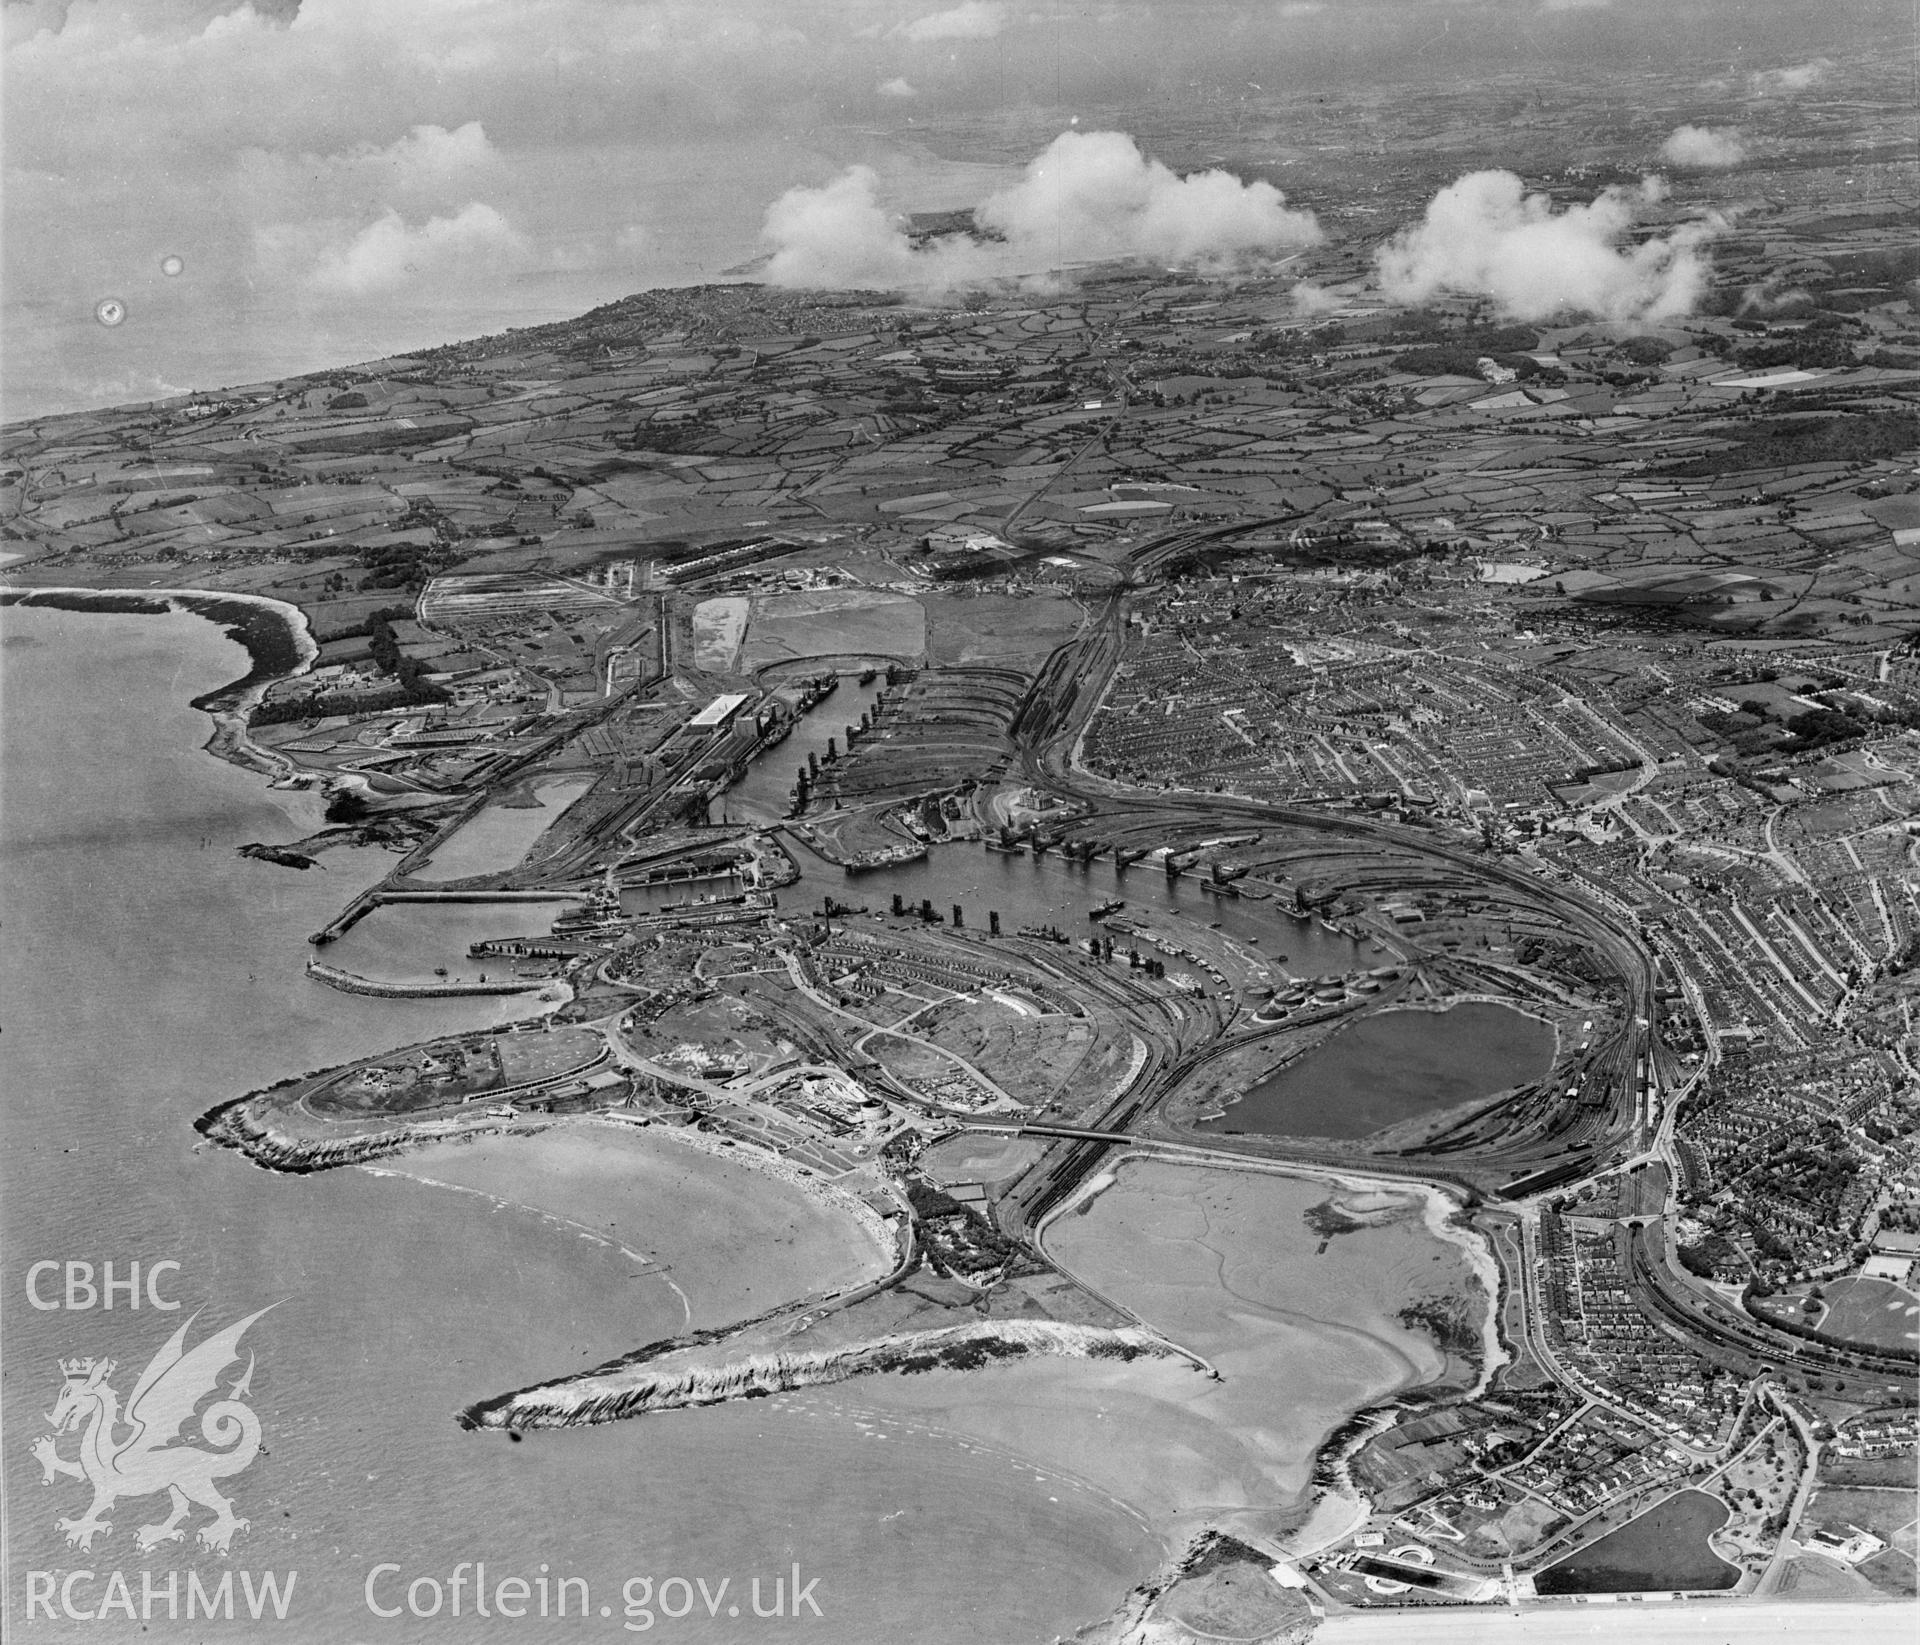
(577, 1400)
(276, 635)
(230, 1126)
(627, 1388)
(653, 1387)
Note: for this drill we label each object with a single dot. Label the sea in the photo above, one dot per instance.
(147, 972)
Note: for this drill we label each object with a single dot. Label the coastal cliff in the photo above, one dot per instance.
(636, 1388)
(232, 1126)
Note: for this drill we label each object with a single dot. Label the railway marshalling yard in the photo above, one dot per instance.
(994, 769)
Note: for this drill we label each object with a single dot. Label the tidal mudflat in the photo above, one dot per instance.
(1303, 1327)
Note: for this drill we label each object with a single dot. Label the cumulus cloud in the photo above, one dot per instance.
(1704, 148)
(138, 128)
(1094, 194)
(972, 20)
(423, 171)
(840, 235)
(1088, 196)
(1485, 236)
(476, 242)
(1786, 82)
(1310, 300)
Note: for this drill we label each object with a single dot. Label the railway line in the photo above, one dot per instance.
(1554, 1148)
(1683, 1307)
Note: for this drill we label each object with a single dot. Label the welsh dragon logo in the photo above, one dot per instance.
(132, 1453)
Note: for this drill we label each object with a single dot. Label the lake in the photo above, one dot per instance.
(1664, 1550)
(1392, 1066)
(496, 837)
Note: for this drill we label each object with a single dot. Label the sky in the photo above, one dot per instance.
(268, 187)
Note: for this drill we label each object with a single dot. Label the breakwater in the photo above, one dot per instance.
(382, 897)
(349, 982)
(634, 1389)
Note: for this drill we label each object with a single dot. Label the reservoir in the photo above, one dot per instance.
(1393, 1066)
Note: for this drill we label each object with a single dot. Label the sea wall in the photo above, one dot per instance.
(636, 1390)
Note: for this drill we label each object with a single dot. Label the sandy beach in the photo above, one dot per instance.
(1636, 1623)
(687, 1214)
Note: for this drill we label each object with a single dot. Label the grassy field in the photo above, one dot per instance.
(539, 1056)
(732, 1028)
(1879, 1511)
(1873, 1311)
(1233, 1596)
(1838, 1470)
(996, 628)
(987, 1159)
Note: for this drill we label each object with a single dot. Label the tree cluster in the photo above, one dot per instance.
(1796, 442)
